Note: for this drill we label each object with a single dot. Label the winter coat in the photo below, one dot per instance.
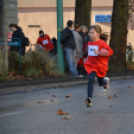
(67, 39)
(19, 34)
(79, 46)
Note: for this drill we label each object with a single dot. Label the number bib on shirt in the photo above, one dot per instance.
(91, 50)
(45, 42)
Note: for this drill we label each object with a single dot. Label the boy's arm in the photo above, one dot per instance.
(105, 50)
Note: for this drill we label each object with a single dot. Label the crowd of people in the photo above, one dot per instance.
(74, 41)
(44, 41)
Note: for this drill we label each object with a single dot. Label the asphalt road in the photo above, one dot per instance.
(22, 114)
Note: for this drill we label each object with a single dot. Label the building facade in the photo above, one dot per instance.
(8, 14)
(35, 15)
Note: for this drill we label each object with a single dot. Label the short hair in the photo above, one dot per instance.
(70, 23)
(41, 31)
(13, 25)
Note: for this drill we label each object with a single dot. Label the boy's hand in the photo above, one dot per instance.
(96, 52)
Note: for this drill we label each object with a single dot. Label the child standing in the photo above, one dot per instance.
(97, 61)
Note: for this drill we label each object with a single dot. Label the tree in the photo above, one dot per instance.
(119, 32)
(83, 12)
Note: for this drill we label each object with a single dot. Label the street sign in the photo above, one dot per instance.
(103, 18)
(16, 43)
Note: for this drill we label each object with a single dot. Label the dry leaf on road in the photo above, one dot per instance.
(66, 118)
(52, 100)
(54, 87)
(40, 102)
(129, 86)
(66, 113)
(53, 95)
(109, 97)
(101, 119)
(60, 112)
(68, 95)
(115, 96)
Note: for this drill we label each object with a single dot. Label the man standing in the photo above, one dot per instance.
(44, 40)
(68, 42)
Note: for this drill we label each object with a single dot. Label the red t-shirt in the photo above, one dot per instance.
(99, 64)
(45, 42)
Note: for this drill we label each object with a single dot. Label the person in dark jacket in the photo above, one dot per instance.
(68, 42)
(17, 33)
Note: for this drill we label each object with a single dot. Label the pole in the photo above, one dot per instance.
(60, 54)
(5, 36)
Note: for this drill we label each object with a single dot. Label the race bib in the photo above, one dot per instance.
(45, 42)
(91, 50)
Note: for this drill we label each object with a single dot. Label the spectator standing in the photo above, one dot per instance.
(79, 48)
(69, 45)
(79, 41)
(17, 33)
(86, 39)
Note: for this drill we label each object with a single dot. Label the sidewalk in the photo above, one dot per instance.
(9, 88)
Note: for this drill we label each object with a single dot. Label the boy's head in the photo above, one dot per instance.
(41, 33)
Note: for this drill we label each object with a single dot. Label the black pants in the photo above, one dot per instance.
(101, 82)
(81, 70)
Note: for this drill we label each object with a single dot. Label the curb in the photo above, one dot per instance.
(28, 88)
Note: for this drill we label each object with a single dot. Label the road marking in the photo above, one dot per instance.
(12, 113)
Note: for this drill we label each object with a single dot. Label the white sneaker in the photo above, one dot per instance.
(105, 88)
(80, 76)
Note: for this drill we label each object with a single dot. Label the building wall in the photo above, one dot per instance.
(9, 14)
(45, 17)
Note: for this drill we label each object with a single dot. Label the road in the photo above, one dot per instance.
(22, 114)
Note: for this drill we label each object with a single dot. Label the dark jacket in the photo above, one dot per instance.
(19, 34)
(67, 39)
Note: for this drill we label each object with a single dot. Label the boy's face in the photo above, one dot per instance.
(93, 34)
(41, 34)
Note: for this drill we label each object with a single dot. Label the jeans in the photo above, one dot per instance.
(101, 82)
(70, 56)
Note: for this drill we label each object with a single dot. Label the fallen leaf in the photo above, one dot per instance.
(110, 106)
(109, 97)
(40, 102)
(60, 112)
(66, 113)
(68, 95)
(52, 100)
(54, 87)
(124, 78)
(115, 96)
(66, 118)
(129, 86)
(53, 95)
(68, 85)
(6, 92)
(101, 119)
(26, 90)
